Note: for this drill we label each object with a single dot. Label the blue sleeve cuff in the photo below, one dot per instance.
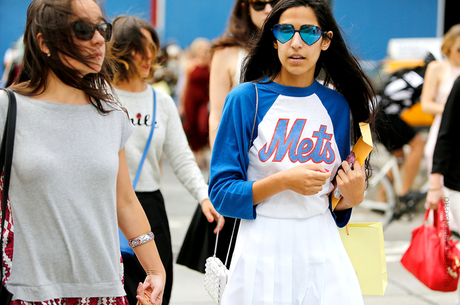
(234, 200)
(341, 217)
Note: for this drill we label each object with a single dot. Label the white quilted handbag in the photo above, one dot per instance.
(216, 273)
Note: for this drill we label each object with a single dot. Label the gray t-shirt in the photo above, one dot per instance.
(63, 199)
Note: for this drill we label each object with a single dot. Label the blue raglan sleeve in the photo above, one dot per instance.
(339, 111)
(229, 190)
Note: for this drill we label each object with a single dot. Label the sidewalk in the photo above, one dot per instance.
(403, 288)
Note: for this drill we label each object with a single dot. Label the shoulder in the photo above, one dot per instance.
(225, 57)
(164, 99)
(329, 95)
(436, 67)
(242, 90)
(227, 51)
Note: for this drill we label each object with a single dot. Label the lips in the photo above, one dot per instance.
(296, 57)
(97, 55)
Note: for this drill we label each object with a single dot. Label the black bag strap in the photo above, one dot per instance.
(6, 158)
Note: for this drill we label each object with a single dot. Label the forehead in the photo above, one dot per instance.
(298, 16)
(86, 9)
(147, 35)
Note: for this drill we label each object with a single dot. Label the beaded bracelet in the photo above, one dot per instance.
(140, 240)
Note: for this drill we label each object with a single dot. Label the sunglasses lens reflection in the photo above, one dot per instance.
(310, 34)
(284, 33)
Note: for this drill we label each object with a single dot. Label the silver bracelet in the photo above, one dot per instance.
(141, 240)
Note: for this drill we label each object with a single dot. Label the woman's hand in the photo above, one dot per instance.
(151, 291)
(435, 192)
(433, 197)
(307, 179)
(351, 184)
(211, 214)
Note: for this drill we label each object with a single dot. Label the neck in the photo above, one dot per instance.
(287, 79)
(132, 85)
(454, 63)
(58, 92)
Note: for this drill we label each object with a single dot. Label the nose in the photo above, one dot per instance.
(148, 53)
(97, 38)
(296, 41)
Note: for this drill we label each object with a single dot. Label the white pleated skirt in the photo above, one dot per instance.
(291, 262)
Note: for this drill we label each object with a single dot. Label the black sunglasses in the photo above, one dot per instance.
(259, 5)
(84, 31)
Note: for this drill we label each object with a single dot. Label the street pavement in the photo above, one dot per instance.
(403, 288)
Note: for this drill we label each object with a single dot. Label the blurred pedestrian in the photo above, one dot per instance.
(229, 51)
(70, 187)
(288, 249)
(446, 164)
(445, 173)
(196, 100)
(400, 92)
(134, 47)
(439, 77)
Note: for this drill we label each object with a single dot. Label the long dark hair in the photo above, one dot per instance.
(51, 18)
(340, 67)
(240, 28)
(126, 39)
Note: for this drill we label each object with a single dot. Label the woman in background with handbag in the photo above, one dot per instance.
(445, 173)
(135, 46)
(70, 186)
(288, 248)
(229, 51)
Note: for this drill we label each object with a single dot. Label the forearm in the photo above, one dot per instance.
(267, 187)
(133, 223)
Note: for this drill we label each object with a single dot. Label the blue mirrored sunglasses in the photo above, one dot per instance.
(309, 34)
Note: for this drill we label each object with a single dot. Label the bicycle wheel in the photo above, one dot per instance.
(379, 201)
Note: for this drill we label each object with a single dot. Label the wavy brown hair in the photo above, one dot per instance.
(127, 39)
(52, 18)
(240, 28)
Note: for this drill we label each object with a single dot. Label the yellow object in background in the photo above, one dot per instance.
(365, 247)
(414, 116)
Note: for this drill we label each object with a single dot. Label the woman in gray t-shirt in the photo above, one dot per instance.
(70, 187)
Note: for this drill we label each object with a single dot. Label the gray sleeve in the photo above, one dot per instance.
(180, 155)
(3, 111)
(126, 128)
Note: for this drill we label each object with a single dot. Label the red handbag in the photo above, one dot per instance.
(432, 255)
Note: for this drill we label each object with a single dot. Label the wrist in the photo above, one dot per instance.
(435, 188)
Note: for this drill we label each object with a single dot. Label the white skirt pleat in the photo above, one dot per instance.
(291, 262)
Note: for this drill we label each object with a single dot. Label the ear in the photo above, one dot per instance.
(275, 44)
(326, 41)
(41, 43)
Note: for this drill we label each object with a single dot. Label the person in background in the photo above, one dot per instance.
(229, 51)
(134, 47)
(439, 77)
(401, 91)
(445, 174)
(196, 100)
(70, 188)
(279, 181)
